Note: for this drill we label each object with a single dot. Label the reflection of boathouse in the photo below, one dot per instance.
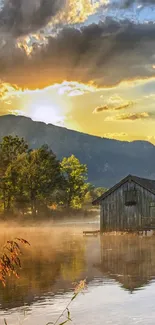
(130, 260)
(129, 205)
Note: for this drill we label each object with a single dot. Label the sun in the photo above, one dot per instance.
(53, 104)
(47, 113)
(43, 106)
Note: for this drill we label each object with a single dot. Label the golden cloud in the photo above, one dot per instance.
(50, 104)
(74, 88)
(114, 103)
(100, 109)
(70, 89)
(73, 12)
(128, 117)
(82, 54)
(77, 11)
(8, 91)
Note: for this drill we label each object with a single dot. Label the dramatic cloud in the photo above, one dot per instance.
(30, 22)
(100, 52)
(20, 17)
(128, 116)
(77, 11)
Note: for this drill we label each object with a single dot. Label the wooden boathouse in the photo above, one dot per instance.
(128, 206)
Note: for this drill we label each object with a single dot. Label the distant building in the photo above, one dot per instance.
(129, 205)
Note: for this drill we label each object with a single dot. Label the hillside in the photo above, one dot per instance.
(108, 160)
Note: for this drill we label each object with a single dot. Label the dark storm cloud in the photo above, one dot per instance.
(108, 53)
(20, 17)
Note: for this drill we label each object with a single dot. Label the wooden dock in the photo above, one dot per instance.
(143, 231)
(91, 232)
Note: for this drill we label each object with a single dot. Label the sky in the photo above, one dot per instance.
(88, 65)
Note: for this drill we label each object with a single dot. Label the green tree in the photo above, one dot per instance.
(75, 175)
(93, 193)
(16, 180)
(39, 178)
(10, 148)
(98, 191)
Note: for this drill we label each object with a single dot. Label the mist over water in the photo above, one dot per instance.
(120, 273)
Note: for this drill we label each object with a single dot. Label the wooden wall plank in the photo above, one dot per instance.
(116, 216)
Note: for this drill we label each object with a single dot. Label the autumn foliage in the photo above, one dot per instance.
(10, 261)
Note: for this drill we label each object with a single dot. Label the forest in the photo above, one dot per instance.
(34, 181)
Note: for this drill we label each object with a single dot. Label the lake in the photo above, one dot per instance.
(119, 270)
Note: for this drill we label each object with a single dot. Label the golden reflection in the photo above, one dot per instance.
(60, 256)
(53, 262)
(130, 260)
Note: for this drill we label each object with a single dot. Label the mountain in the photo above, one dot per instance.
(108, 160)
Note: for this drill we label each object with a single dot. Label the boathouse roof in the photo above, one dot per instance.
(147, 184)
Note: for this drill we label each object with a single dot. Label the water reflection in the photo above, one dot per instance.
(50, 270)
(130, 260)
(51, 267)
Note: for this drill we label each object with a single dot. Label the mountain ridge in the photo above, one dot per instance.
(65, 128)
(108, 160)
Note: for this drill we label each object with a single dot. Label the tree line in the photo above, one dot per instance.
(35, 180)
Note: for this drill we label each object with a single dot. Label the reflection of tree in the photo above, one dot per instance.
(130, 260)
(45, 272)
(52, 265)
(74, 264)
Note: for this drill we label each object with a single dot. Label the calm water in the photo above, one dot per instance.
(120, 272)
